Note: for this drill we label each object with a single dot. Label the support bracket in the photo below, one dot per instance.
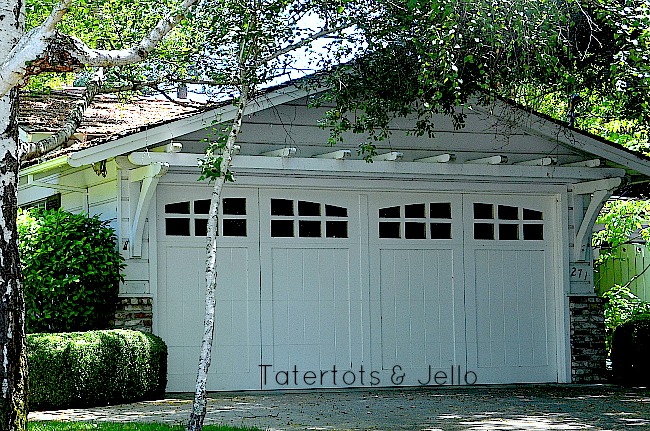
(600, 191)
(149, 175)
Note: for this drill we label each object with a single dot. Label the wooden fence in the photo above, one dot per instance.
(629, 261)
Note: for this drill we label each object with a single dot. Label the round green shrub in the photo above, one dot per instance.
(71, 271)
(631, 352)
(95, 368)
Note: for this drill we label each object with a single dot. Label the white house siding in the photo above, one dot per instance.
(398, 309)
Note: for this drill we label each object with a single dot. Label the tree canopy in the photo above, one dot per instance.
(583, 61)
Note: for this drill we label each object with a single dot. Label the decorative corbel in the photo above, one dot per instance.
(149, 175)
(600, 191)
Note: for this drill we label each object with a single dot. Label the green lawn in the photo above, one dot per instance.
(107, 426)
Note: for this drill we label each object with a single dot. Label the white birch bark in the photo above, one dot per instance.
(197, 415)
(13, 358)
(45, 49)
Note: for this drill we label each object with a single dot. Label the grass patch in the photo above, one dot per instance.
(111, 426)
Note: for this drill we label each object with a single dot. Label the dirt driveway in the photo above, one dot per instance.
(520, 407)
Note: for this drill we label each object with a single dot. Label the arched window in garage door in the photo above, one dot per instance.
(507, 223)
(190, 218)
(306, 219)
(416, 221)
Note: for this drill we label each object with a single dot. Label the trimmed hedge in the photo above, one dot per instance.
(81, 369)
(631, 352)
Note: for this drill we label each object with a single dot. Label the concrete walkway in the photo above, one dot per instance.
(521, 407)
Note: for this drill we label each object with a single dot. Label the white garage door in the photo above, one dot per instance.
(182, 228)
(416, 266)
(511, 331)
(341, 289)
(314, 310)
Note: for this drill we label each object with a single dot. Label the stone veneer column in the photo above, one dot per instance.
(588, 352)
(134, 313)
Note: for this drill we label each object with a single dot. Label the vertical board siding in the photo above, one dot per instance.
(316, 316)
(417, 308)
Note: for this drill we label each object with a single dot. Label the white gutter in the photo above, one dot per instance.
(58, 162)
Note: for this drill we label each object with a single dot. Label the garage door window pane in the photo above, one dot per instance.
(178, 208)
(391, 212)
(309, 209)
(234, 206)
(389, 230)
(508, 213)
(415, 230)
(533, 215)
(334, 211)
(414, 211)
(440, 230)
(440, 210)
(533, 232)
(234, 227)
(200, 227)
(508, 232)
(177, 226)
(309, 229)
(202, 206)
(281, 228)
(484, 211)
(336, 229)
(281, 207)
(483, 231)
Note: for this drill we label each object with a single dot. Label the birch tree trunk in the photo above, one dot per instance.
(197, 415)
(13, 357)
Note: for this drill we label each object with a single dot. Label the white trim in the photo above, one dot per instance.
(149, 175)
(336, 155)
(544, 161)
(282, 152)
(442, 158)
(48, 165)
(492, 160)
(243, 164)
(161, 133)
(602, 190)
(592, 163)
(562, 286)
(393, 156)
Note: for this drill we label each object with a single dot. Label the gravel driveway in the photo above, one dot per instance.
(517, 407)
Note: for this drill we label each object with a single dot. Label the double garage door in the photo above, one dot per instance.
(341, 289)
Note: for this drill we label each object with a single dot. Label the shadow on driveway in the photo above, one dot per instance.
(478, 408)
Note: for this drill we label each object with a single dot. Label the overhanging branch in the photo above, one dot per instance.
(61, 138)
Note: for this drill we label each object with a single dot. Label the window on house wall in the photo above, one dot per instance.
(190, 218)
(50, 203)
(417, 221)
(507, 223)
(307, 219)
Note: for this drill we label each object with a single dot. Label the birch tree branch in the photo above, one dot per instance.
(44, 49)
(31, 44)
(304, 42)
(61, 138)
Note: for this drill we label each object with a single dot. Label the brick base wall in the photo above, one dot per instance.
(587, 339)
(134, 313)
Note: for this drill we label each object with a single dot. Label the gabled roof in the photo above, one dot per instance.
(115, 128)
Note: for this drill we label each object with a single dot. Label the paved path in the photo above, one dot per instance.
(526, 407)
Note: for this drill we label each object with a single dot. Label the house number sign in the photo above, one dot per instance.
(580, 271)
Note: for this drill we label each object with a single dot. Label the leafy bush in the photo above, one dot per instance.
(631, 350)
(621, 305)
(71, 271)
(95, 368)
